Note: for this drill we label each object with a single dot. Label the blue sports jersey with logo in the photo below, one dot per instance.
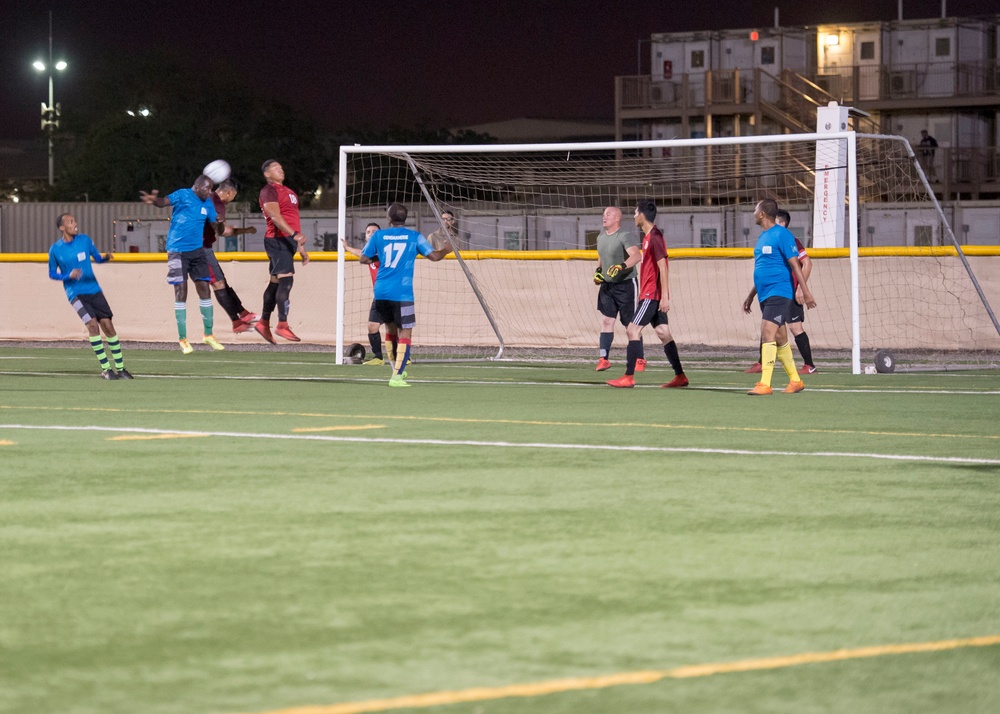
(396, 249)
(65, 257)
(772, 276)
(187, 222)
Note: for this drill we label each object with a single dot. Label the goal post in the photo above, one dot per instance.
(519, 285)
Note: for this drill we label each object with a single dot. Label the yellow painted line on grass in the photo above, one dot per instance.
(555, 686)
(346, 427)
(516, 422)
(145, 437)
(5, 442)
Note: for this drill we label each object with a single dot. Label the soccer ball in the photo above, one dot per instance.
(218, 171)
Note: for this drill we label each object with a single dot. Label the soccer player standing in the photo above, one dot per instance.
(282, 238)
(70, 263)
(776, 263)
(242, 318)
(654, 301)
(374, 320)
(192, 208)
(396, 249)
(619, 253)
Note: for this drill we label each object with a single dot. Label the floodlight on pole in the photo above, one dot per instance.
(51, 111)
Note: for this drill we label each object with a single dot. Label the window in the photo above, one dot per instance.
(923, 235)
(697, 59)
(868, 50)
(709, 238)
(942, 47)
(767, 55)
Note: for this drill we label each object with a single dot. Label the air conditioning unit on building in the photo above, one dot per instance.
(661, 93)
(902, 82)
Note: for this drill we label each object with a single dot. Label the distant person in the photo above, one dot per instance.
(192, 209)
(374, 319)
(797, 315)
(70, 263)
(396, 249)
(775, 263)
(928, 147)
(654, 301)
(282, 238)
(447, 234)
(225, 293)
(618, 253)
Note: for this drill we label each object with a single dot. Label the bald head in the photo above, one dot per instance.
(612, 219)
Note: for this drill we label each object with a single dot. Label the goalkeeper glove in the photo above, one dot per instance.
(598, 278)
(615, 269)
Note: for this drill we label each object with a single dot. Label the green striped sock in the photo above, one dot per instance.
(116, 352)
(206, 315)
(180, 313)
(98, 346)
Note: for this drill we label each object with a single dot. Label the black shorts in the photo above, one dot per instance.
(617, 300)
(776, 310)
(92, 307)
(796, 313)
(373, 315)
(189, 264)
(215, 273)
(400, 314)
(281, 254)
(648, 312)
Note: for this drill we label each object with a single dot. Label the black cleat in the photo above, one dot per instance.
(109, 374)
(124, 374)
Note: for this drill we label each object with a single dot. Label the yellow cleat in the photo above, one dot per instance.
(186, 347)
(374, 360)
(213, 343)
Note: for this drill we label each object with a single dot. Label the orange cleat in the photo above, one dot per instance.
(679, 381)
(626, 381)
(248, 317)
(264, 330)
(240, 326)
(793, 387)
(640, 365)
(602, 364)
(760, 389)
(283, 330)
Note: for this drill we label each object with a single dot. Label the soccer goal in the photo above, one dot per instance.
(519, 286)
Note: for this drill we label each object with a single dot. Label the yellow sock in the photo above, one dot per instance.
(768, 350)
(788, 362)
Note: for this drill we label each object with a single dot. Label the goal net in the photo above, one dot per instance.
(519, 285)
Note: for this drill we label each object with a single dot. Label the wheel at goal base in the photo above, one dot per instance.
(885, 362)
(355, 353)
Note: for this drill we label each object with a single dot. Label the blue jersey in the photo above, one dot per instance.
(65, 257)
(187, 222)
(772, 275)
(396, 249)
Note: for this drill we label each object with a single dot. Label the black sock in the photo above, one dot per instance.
(375, 340)
(606, 339)
(802, 342)
(236, 301)
(270, 298)
(284, 290)
(670, 350)
(632, 352)
(225, 298)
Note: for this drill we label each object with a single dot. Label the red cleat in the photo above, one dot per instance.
(283, 330)
(679, 381)
(808, 369)
(264, 330)
(248, 317)
(640, 365)
(626, 381)
(602, 364)
(753, 369)
(240, 326)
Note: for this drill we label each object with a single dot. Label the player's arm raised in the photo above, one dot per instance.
(154, 198)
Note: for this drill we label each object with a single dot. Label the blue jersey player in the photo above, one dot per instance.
(396, 248)
(192, 208)
(70, 262)
(776, 263)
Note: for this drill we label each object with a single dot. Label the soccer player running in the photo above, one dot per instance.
(776, 263)
(192, 208)
(70, 263)
(618, 250)
(396, 249)
(242, 318)
(282, 238)
(374, 321)
(654, 301)
(797, 315)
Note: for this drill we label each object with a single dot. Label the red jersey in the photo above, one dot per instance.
(288, 204)
(801, 256)
(209, 237)
(373, 269)
(653, 248)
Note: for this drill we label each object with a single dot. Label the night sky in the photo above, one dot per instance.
(382, 62)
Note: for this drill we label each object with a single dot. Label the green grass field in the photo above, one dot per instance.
(262, 531)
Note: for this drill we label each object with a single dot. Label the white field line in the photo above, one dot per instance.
(519, 445)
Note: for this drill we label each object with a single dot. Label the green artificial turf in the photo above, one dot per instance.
(256, 570)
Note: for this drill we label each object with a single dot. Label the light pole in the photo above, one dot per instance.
(50, 112)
